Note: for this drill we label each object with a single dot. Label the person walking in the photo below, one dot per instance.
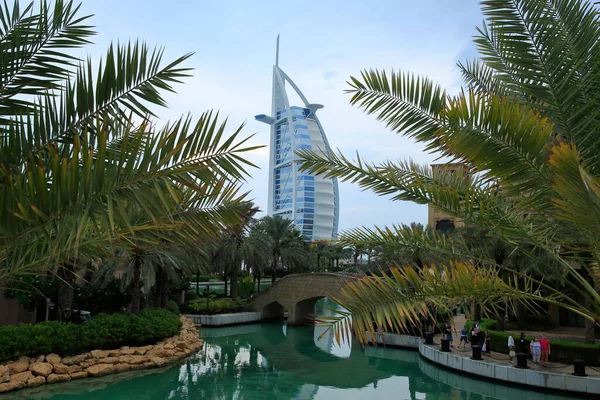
(449, 333)
(487, 343)
(511, 348)
(545, 346)
(463, 337)
(536, 350)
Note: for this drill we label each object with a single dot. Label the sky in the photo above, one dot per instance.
(322, 44)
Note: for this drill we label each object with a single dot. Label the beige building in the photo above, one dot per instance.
(436, 218)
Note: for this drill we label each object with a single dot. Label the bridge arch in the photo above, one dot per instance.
(298, 294)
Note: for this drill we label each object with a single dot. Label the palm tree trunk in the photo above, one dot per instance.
(136, 286)
(258, 288)
(162, 285)
(226, 287)
(274, 267)
(66, 274)
(477, 312)
(234, 282)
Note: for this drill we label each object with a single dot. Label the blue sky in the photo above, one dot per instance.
(322, 44)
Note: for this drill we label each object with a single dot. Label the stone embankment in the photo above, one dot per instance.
(51, 368)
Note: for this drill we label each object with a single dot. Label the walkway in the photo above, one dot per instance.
(502, 358)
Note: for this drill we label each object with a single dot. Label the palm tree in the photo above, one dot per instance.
(285, 244)
(236, 246)
(527, 125)
(78, 143)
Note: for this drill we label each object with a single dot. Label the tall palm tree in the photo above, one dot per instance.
(285, 244)
(237, 246)
(527, 125)
(78, 143)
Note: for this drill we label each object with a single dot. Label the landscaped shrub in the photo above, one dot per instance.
(561, 351)
(102, 332)
(246, 287)
(173, 307)
(214, 306)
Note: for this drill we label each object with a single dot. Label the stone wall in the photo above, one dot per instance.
(51, 368)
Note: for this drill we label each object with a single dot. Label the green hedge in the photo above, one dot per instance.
(102, 332)
(561, 351)
(214, 306)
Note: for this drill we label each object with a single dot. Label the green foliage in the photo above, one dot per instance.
(214, 306)
(173, 307)
(102, 332)
(246, 287)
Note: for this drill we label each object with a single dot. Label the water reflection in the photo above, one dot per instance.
(265, 361)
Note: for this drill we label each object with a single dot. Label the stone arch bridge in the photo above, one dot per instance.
(298, 294)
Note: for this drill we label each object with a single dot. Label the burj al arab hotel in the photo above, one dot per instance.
(312, 202)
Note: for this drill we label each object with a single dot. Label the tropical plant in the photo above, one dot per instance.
(237, 246)
(78, 146)
(527, 125)
(285, 244)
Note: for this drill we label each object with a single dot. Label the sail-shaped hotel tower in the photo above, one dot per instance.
(312, 202)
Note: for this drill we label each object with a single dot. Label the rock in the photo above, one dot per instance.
(114, 353)
(53, 358)
(36, 381)
(169, 346)
(21, 377)
(122, 367)
(126, 351)
(181, 345)
(53, 378)
(101, 369)
(41, 369)
(78, 375)
(76, 359)
(39, 359)
(158, 361)
(4, 374)
(74, 368)
(110, 360)
(7, 387)
(132, 359)
(140, 351)
(21, 365)
(160, 352)
(63, 369)
(89, 362)
(99, 353)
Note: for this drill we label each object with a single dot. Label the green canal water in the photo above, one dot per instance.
(272, 361)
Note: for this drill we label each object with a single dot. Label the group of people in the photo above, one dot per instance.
(538, 348)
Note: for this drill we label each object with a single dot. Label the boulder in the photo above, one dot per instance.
(133, 359)
(36, 381)
(53, 358)
(53, 378)
(122, 367)
(126, 351)
(41, 369)
(169, 346)
(7, 387)
(76, 359)
(101, 369)
(38, 359)
(63, 369)
(21, 377)
(99, 353)
(158, 361)
(74, 368)
(110, 360)
(21, 365)
(140, 351)
(4, 374)
(160, 352)
(78, 375)
(89, 362)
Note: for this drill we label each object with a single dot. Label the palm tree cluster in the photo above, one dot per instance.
(87, 175)
(527, 124)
